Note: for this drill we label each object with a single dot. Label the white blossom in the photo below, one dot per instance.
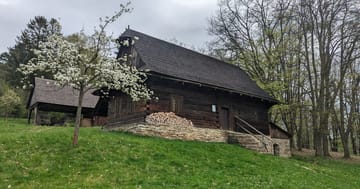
(70, 66)
(87, 64)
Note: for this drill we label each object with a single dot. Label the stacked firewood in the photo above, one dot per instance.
(167, 118)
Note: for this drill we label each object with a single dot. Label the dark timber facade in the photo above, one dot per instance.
(209, 92)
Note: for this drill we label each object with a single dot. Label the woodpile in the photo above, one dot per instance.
(167, 118)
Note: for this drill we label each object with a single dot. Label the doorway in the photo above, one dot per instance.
(276, 149)
(224, 118)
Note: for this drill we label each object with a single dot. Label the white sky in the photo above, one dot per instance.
(185, 20)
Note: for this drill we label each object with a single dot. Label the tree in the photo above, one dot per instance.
(8, 101)
(302, 53)
(88, 65)
(331, 37)
(4, 71)
(347, 84)
(37, 31)
(260, 37)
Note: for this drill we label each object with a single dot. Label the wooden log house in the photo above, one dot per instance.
(208, 91)
(45, 97)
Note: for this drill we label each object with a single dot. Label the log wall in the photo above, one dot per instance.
(196, 105)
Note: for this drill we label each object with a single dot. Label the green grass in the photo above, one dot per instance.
(43, 157)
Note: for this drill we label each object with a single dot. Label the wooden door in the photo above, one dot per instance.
(224, 118)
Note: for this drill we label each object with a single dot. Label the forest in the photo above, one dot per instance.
(305, 53)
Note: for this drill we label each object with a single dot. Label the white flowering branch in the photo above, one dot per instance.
(87, 65)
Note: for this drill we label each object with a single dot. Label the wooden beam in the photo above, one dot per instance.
(29, 116)
(36, 115)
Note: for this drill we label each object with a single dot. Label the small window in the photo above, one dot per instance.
(176, 103)
(213, 108)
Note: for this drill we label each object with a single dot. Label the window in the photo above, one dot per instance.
(213, 108)
(176, 103)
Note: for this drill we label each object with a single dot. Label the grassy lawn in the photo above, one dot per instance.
(43, 157)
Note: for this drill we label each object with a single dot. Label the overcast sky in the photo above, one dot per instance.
(185, 20)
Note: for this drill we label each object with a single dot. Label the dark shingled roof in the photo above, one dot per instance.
(172, 60)
(45, 91)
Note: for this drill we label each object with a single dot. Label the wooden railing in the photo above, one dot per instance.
(251, 130)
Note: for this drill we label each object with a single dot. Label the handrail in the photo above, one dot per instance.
(252, 127)
(257, 131)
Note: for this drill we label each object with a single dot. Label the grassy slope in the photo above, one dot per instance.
(43, 157)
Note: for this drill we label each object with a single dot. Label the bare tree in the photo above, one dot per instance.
(300, 52)
(261, 37)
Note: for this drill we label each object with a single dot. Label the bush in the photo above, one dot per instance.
(8, 102)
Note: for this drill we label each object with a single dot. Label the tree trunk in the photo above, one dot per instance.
(78, 116)
(326, 145)
(307, 141)
(334, 141)
(290, 129)
(353, 143)
(300, 130)
(345, 141)
(318, 143)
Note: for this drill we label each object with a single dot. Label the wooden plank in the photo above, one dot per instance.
(129, 116)
(198, 112)
(200, 107)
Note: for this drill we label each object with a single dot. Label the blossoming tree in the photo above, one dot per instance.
(88, 65)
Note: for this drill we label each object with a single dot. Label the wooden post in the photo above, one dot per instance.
(147, 108)
(29, 116)
(36, 115)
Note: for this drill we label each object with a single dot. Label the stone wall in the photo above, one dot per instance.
(284, 145)
(174, 132)
(252, 142)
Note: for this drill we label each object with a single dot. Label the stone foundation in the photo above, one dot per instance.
(172, 132)
(252, 142)
(284, 146)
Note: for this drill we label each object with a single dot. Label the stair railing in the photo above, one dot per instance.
(263, 136)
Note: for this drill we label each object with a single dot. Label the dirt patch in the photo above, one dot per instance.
(334, 155)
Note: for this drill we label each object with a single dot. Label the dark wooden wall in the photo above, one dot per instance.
(196, 105)
(277, 132)
(122, 110)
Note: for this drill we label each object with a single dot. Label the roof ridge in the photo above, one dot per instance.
(167, 58)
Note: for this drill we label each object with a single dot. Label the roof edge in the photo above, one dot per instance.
(272, 101)
(281, 129)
